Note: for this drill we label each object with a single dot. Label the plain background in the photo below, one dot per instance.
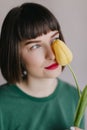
(72, 16)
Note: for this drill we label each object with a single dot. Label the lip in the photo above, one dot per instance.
(51, 67)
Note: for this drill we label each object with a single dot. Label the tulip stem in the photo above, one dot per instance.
(76, 82)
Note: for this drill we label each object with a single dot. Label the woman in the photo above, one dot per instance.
(34, 98)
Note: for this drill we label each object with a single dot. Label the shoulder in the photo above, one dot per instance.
(68, 93)
(4, 90)
(66, 85)
(5, 95)
(3, 87)
(68, 89)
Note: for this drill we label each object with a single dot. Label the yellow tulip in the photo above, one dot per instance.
(62, 52)
(64, 57)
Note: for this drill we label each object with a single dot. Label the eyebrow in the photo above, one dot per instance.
(54, 34)
(37, 41)
(29, 42)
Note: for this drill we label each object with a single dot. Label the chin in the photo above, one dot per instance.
(52, 74)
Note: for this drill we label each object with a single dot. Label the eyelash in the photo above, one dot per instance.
(55, 39)
(35, 46)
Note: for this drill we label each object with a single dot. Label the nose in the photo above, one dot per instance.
(49, 53)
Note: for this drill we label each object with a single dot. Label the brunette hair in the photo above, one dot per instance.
(23, 22)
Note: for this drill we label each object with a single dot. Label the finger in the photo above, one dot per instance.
(74, 128)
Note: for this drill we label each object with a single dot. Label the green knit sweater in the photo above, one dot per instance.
(20, 111)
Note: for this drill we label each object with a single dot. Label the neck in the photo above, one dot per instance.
(38, 87)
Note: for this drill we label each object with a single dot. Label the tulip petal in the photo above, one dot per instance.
(62, 52)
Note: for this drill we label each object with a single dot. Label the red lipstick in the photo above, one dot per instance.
(51, 67)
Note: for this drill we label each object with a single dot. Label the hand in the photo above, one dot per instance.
(75, 128)
(78, 129)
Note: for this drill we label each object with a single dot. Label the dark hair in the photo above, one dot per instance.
(23, 22)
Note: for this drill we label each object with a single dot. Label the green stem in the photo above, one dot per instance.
(76, 82)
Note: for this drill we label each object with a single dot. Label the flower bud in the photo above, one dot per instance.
(62, 52)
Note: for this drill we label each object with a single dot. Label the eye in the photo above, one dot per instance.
(56, 38)
(35, 47)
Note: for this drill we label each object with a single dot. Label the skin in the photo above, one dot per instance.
(78, 129)
(36, 55)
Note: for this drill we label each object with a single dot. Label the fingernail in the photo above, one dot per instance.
(72, 128)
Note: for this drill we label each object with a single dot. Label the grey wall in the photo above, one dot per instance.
(72, 15)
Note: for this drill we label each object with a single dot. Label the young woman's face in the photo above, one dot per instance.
(38, 57)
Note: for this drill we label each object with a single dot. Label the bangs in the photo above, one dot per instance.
(24, 22)
(33, 23)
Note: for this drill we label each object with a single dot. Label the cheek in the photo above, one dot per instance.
(34, 59)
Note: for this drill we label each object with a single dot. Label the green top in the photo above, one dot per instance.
(20, 111)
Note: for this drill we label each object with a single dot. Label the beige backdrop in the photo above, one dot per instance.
(72, 15)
